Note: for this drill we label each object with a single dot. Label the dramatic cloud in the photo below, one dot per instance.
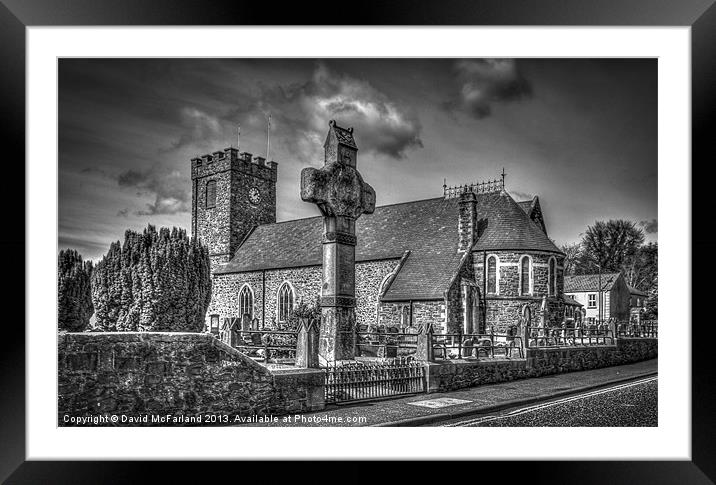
(197, 127)
(384, 126)
(650, 227)
(484, 82)
(169, 190)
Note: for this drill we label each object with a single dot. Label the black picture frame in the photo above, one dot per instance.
(15, 15)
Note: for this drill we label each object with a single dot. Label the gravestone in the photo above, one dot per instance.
(342, 196)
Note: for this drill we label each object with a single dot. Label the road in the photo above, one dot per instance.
(627, 404)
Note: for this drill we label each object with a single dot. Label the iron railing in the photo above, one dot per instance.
(264, 344)
(476, 345)
(646, 329)
(569, 337)
(361, 381)
(390, 343)
(486, 187)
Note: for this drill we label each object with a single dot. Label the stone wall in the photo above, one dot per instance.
(306, 284)
(397, 314)
(426, 312)
(394, 314)
(503, 307)
(369, 277)
(450, 375)
(177, 374)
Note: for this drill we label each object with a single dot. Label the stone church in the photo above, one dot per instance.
(470, 259)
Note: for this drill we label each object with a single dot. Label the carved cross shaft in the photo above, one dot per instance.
(342, 197)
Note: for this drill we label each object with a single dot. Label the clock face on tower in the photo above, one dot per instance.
(254, 195)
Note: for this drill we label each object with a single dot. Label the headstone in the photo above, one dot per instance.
(307, 344)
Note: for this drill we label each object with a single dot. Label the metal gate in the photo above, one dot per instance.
(362, 381)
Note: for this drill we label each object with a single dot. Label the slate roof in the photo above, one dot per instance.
(428, 228)
(504, 225)
(568, 300)
(526, 205)
(589, 282)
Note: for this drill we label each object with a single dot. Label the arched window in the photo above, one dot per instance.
(285, 302)
(525, 275)
(211, 194)
(552, 278)
(246, 302)
(492, 274)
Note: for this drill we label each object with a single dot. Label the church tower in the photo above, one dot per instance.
(232, 193)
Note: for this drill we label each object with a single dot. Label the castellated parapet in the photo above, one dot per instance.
(231, 159)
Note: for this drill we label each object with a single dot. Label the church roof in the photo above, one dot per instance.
(504, 225)
(526, 205)
(589, 282)
(427, 228)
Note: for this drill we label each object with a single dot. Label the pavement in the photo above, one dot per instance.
(428, 409)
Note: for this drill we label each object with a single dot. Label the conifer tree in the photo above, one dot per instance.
(74, 293)
(155, 281)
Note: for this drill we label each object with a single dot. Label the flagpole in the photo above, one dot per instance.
(268, 138)
(238, 139)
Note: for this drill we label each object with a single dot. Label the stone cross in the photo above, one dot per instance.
(342, 196)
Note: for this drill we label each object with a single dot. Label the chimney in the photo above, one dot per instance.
(467, 221)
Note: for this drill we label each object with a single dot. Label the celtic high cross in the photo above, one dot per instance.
(342, 196)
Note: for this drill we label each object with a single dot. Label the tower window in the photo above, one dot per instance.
(211, 194)
(552, 283)
(492, 274)
(525, 275)
(246, 302)
(285, 302)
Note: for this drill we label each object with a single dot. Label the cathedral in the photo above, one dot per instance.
(466, 261)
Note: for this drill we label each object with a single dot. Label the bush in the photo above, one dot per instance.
(303, 310)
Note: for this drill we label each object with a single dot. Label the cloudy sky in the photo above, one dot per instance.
(581, 134)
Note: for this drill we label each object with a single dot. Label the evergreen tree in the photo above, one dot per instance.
(74, 293)
(156, 281)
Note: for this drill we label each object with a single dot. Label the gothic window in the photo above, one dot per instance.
(246, 302)
(525, 275)
(285, 302)
(492, 274)
(552, 283)
(211, 194)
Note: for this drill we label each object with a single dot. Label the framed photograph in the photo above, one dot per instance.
(358, 237)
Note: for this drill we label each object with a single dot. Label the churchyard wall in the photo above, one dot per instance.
(184, 375)
(450, 375)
